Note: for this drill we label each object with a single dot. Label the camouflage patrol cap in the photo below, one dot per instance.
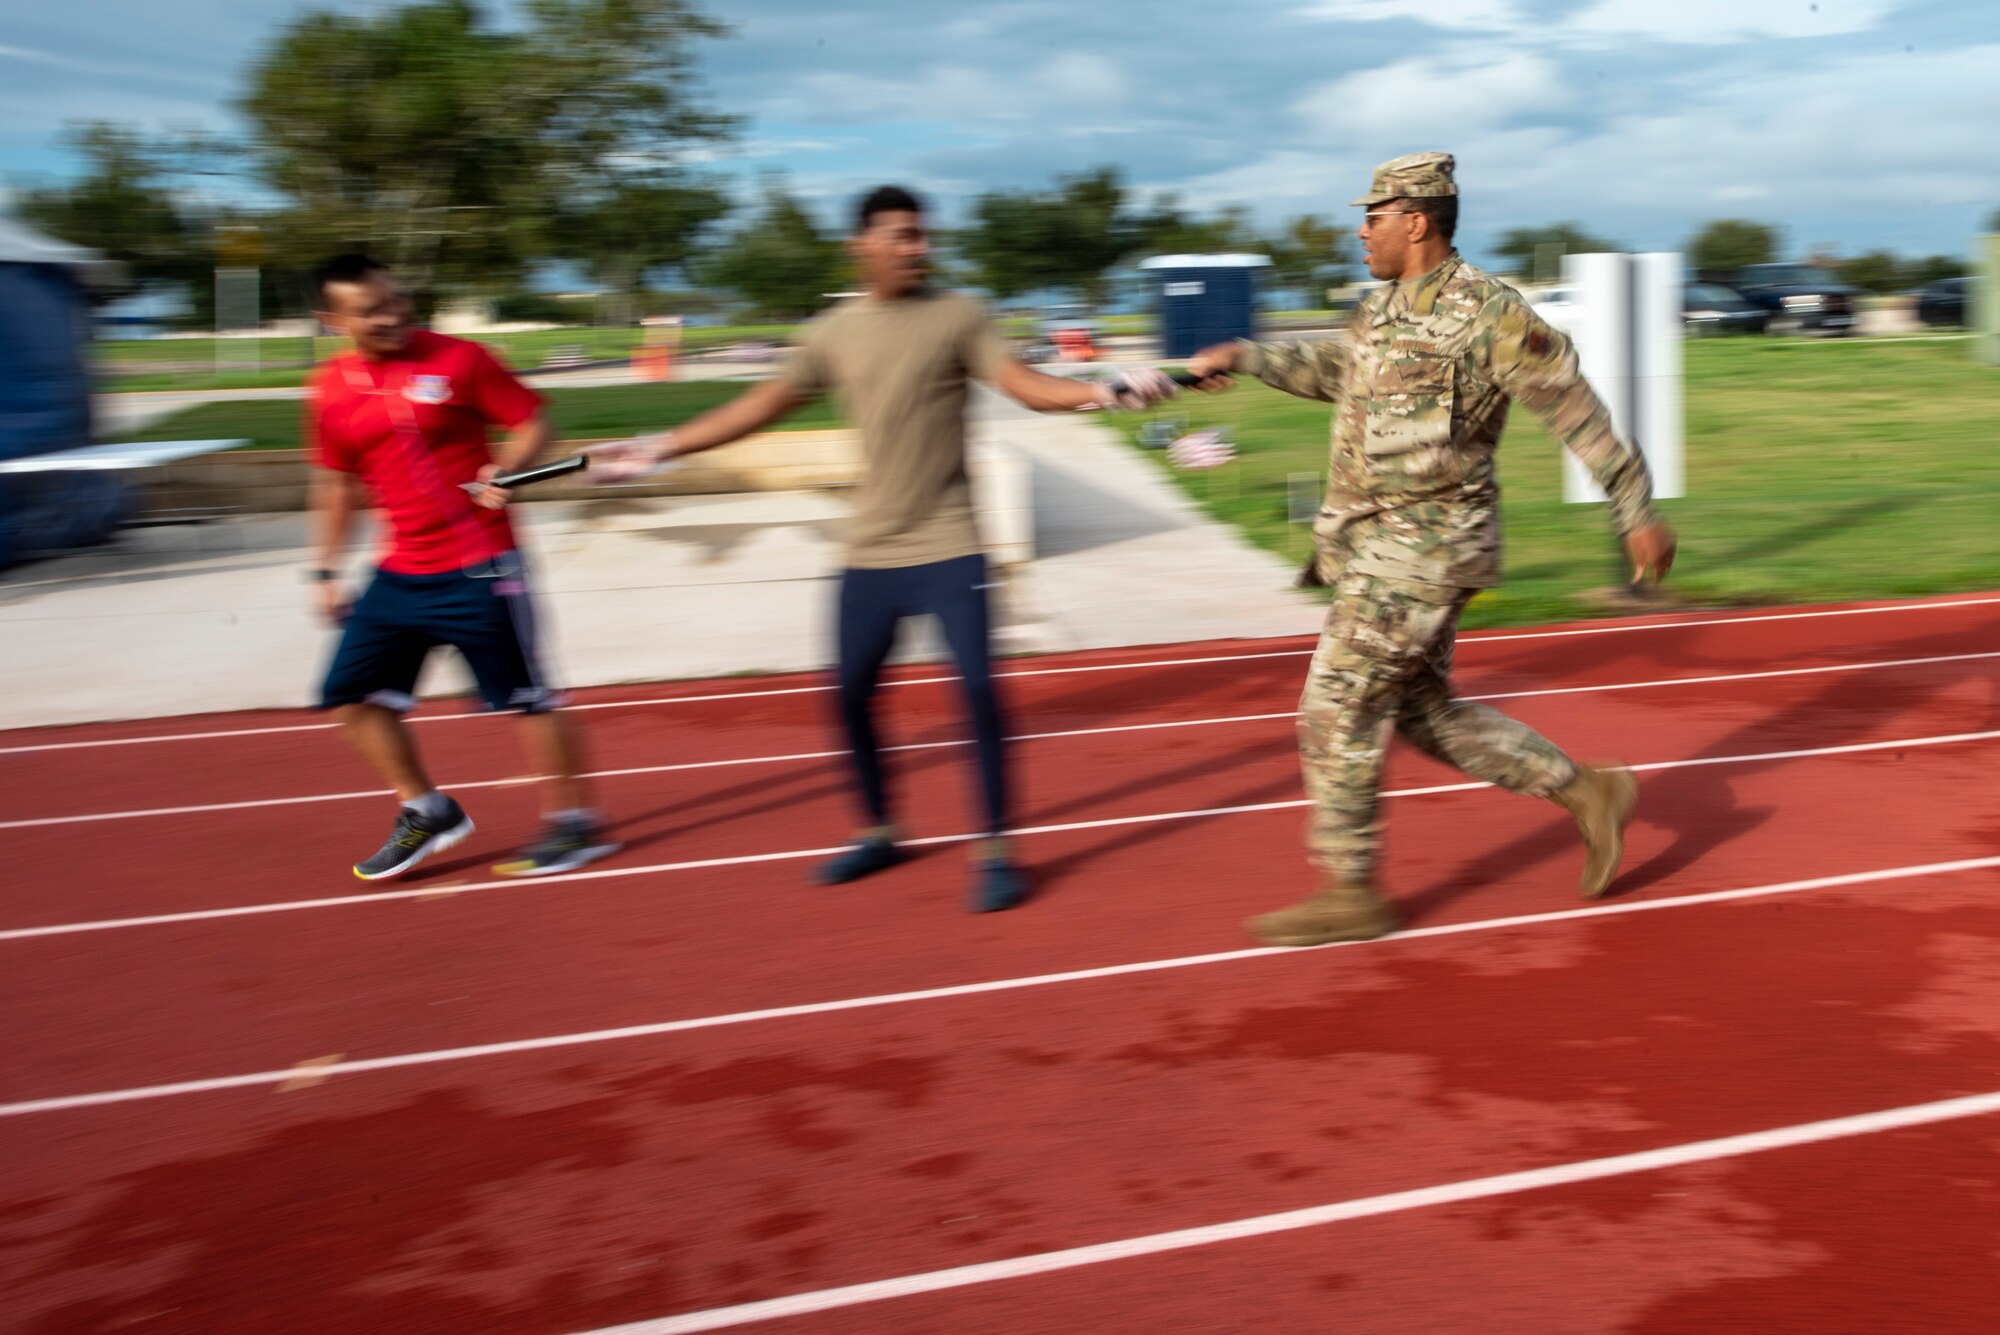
(1412, 176)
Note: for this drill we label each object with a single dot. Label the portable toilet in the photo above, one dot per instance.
(1205, 299)
(46, 288)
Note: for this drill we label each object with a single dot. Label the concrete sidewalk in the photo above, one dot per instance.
(214, 617)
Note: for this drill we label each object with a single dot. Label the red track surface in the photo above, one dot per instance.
(608, 1178)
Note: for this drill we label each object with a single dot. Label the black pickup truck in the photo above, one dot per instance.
(1802, 298)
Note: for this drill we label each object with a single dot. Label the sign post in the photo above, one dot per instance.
(1985, 313)
(1628, 339)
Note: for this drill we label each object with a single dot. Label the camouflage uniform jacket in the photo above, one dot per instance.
(1420, 385)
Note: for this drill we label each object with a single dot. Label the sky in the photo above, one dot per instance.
(1852, 124)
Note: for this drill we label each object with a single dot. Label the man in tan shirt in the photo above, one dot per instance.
(901, 358)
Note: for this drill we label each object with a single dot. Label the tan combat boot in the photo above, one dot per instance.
(1602, 801)
(1336, 913)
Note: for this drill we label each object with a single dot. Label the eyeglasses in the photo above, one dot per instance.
(1368, 219)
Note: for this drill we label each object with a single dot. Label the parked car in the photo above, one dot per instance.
(1943, 302)
(1707, 308)
(1557, 305)
(1798, 297)
(1710, 308)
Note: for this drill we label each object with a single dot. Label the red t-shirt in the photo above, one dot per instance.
(413, 427)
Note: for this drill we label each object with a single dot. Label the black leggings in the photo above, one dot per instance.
(871, 603)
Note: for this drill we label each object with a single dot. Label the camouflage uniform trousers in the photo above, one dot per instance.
(1383, 663)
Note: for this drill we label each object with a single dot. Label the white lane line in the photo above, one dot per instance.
(1473, 638)
(793, 757)
(659, 700)
(790, 855)
(144, 1092)
(799, 756)
(1366, 1207)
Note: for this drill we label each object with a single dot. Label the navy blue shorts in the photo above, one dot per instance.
(485, 614)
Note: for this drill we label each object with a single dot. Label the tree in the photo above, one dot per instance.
(447, 146)
(1933, 268)
(1876, 271)
(1310, 254)
(1165, 229)
(781, 264)
(1068, 237)
(130, 204)
(1525, 251)
(1993, 221)
(122, 206)
(949, 267)
(1731, 243)
(635, 227)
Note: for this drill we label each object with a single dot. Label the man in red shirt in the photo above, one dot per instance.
(402, 421)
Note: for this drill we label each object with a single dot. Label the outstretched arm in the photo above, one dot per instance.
(749, 411)
(1045, 393)
(1311, 369)
(1536, 364)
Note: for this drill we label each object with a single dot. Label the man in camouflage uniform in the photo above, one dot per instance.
(1410, 529)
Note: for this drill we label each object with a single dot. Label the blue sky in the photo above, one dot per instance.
(1853, 124)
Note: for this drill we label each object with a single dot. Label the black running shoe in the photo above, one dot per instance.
(869, 855)
(414, 839)
(997, 886)
(561, 846)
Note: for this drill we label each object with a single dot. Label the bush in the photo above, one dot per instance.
(541, 308)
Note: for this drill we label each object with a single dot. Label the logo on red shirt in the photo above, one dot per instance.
(428, 389)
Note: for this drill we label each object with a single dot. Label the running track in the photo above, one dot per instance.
(1756, 1090)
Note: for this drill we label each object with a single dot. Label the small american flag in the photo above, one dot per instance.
(1207, 448)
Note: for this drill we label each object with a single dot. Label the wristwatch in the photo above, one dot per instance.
(321, 575)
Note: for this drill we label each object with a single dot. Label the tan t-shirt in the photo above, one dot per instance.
(900, 370)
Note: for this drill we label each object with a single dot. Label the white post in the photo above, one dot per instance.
(1628, 341)
(1601, 288)
(1656, 367)
(236, 308)
(1984, 299)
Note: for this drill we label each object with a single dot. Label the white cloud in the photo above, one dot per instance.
(943, 92)
(1707, 22)
(1866, 133)
(771, 148)
(1896, 144)
(45, 115)
(1285, 180)
(1694, 22)
(28, 55)
(713, 154)
(1489, 15)
(1434, 96)
(939, 92)
(1079, 77)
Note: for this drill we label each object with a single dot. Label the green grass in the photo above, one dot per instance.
(1816, 471)
(580, 414)
(130, 366)
(137, 365)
